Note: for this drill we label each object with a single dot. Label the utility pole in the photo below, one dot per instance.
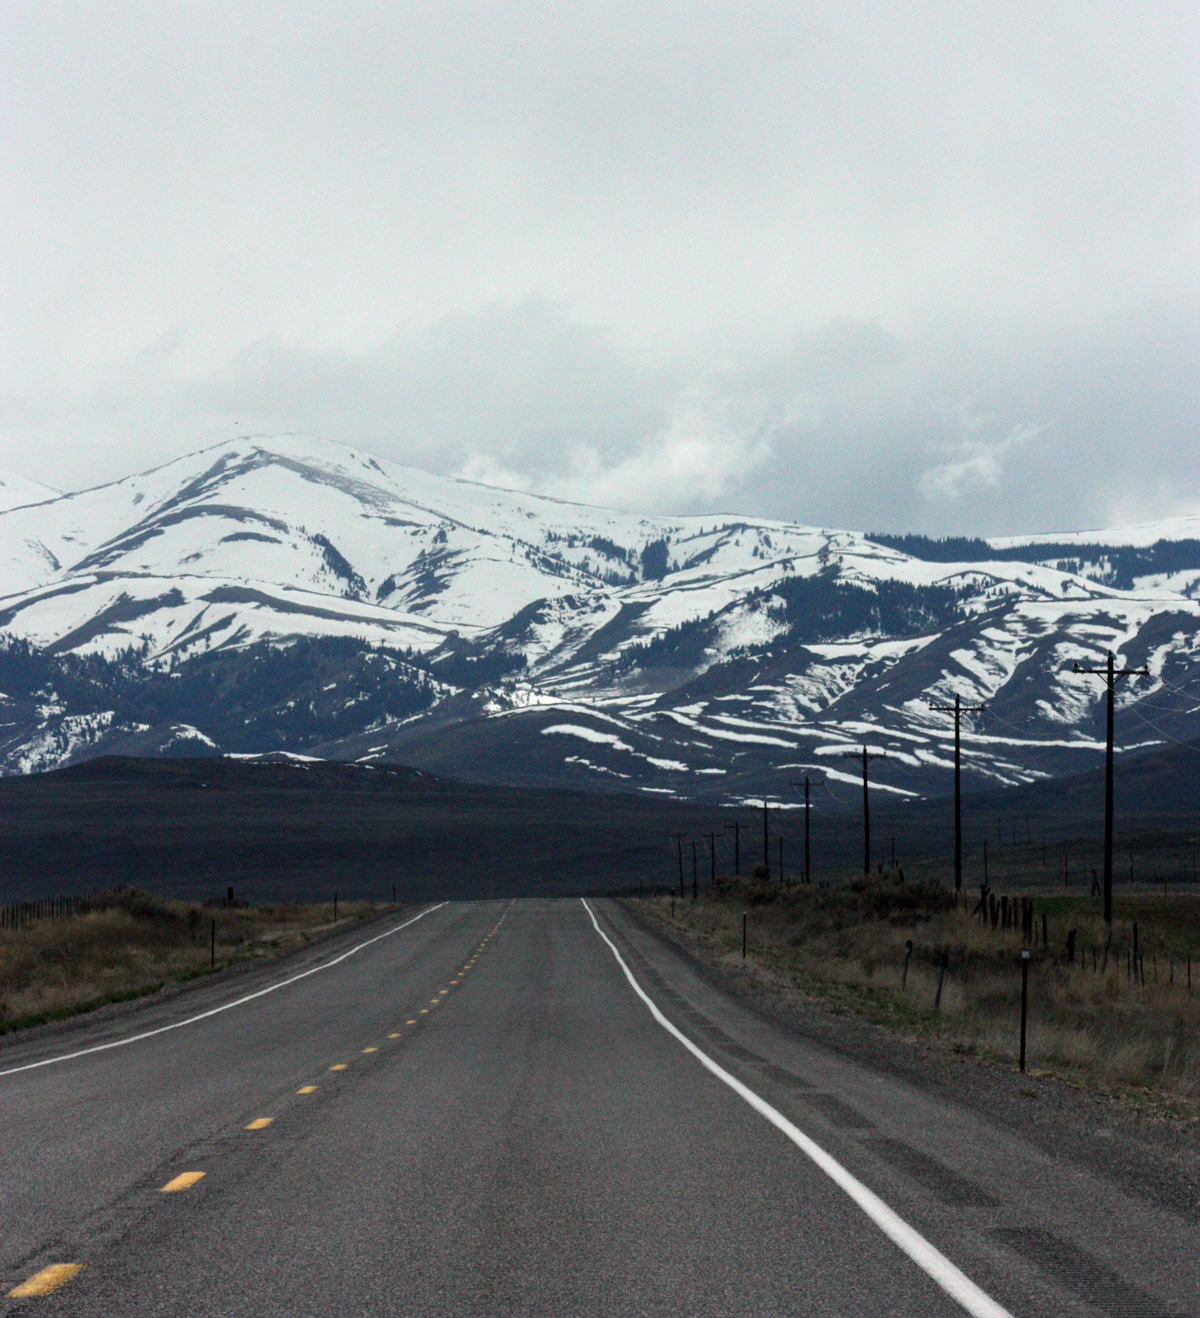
(737, 841)
(1110, 676)
(679, 851)
(807, 784)
(866, 755)
(957, 709)
(766, 843)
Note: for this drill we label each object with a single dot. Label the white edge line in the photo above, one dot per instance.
(931, 1260)
(226, 1006)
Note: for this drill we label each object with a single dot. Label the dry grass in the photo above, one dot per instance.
(131, 943)
(846, 947)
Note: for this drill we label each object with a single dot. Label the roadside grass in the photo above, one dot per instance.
(131, 943)
(1091, 1023)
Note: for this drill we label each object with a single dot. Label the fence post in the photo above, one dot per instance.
(1024, 1001)
(212, 959)
(907, 955)
(744, 935)
(937, 1001)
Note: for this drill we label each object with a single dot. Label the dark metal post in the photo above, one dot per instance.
(937, 1001)
(335, 907)
(781, 859)
(907, 958)
(743, 935)
(212, 960)
(1024, 1001)
(695, 878)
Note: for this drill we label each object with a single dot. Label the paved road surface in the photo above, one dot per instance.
(516, 1129)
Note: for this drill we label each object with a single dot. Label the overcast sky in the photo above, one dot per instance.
(892, 266)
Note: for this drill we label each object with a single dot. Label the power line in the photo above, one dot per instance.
(1166, 736)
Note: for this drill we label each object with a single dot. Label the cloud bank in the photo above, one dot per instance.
(931, 268)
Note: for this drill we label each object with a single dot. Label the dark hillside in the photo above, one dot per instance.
(282, 828)
(191, 828)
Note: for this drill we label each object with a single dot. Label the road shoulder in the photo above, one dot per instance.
(1153, 1158)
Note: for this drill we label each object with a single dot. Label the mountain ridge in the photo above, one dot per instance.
(561, 643)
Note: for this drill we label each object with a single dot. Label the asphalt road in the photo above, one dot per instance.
(482, 1113)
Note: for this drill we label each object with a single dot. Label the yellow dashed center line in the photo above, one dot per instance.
(47, 1280)
(184, 1181)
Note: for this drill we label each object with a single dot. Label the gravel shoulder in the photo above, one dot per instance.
(1151, 1155)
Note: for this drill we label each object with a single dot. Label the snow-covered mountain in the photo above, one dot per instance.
(710, 656)
(16, 491)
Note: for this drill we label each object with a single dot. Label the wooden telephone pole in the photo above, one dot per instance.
(736, 828)
(865, 755)
(957, 709)
(766, 843)
(807, 785)
(1111, 677)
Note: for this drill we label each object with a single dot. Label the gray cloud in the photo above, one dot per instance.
(932, 269)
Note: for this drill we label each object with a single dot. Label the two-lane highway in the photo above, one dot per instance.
(533, 1108)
